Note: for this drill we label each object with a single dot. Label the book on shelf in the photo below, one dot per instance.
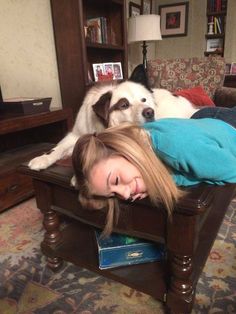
(97, 30)
(121, 250)
(217, 22)
(217, 5)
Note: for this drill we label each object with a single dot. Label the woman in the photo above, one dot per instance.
(131, 162)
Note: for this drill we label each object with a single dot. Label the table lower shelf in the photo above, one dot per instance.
(79, 247)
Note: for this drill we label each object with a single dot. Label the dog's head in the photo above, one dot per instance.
(129, 101)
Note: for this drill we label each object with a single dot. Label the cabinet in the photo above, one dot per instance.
(22, 138)
(76, 54)
(216, 23)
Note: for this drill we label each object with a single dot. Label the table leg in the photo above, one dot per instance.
(52, 238)
(180, 244)
(51, 223)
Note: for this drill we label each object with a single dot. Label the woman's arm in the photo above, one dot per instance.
(203, 162)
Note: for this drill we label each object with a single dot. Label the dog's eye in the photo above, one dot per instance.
(143, 100)
(124, 105)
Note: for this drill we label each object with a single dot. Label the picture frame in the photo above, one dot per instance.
(227, 68)
(134, 9)
(98, 70)
(146, 6)
(174, 19)
(214, 45)
(117, 70)
(107, 71)
(233, 68)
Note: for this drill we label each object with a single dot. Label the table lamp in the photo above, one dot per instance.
(143, 28)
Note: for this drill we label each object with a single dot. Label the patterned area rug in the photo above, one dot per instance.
(27, 286)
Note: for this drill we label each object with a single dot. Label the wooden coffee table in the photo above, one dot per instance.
(188, 237)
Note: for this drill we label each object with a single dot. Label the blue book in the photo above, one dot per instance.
(120, 250)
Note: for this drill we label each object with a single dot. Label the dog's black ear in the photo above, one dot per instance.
(101, 108)
(139, 75)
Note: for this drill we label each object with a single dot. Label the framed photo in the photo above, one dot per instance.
(97, 71)
(117, 70)
(214, 45)
(108, 69)
(146, 6)
(134, 9)
(227, 68)
(233, 68)
(174, 19)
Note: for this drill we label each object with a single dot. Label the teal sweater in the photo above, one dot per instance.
(197, 150)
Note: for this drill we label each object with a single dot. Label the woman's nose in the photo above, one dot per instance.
(123, 191)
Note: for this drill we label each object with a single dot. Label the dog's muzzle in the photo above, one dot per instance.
(148, 114)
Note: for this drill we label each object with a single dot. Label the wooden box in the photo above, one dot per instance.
(25, 106)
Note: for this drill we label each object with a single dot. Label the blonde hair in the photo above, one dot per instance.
(134, 144)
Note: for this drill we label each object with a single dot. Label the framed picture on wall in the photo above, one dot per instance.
(146, 6)
(174, 19)
(134, 9)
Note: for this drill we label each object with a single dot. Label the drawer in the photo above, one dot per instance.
(14, 187)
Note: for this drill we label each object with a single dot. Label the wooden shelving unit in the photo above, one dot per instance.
(76, 54)
(216, 22)
(22, 138)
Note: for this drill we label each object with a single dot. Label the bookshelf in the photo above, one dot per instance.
(216, 22)
(77, 51)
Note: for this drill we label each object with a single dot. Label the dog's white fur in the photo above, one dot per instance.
(164, 104)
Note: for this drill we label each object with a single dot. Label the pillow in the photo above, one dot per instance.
(196, 95)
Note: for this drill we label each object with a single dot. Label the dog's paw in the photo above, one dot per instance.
(73, 182)
(39, 163)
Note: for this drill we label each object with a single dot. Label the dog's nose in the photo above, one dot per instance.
(148, 113)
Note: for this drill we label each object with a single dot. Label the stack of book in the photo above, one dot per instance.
(97, 30)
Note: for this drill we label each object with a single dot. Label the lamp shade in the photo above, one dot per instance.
(144, 28)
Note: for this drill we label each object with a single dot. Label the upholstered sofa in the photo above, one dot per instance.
(184, 73)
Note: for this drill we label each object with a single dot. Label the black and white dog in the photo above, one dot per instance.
(111, 104)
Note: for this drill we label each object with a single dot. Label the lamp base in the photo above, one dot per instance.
(144, 45)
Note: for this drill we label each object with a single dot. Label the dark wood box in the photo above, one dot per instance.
(25, 106)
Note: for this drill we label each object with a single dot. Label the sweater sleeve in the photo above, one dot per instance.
(206, 161)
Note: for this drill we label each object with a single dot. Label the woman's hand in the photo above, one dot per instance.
(138, 196)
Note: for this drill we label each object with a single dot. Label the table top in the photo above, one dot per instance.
(196, 201)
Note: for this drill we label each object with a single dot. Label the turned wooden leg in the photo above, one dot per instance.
(180, 243)
(52, 237)
(181, 291)
(51, 223)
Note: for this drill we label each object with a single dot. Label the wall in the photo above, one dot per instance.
(28, 65)
(230, 38)
(192, 45)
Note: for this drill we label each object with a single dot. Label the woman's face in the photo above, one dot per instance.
(116, 176)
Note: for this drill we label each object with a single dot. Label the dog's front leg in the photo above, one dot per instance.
(62, 149)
